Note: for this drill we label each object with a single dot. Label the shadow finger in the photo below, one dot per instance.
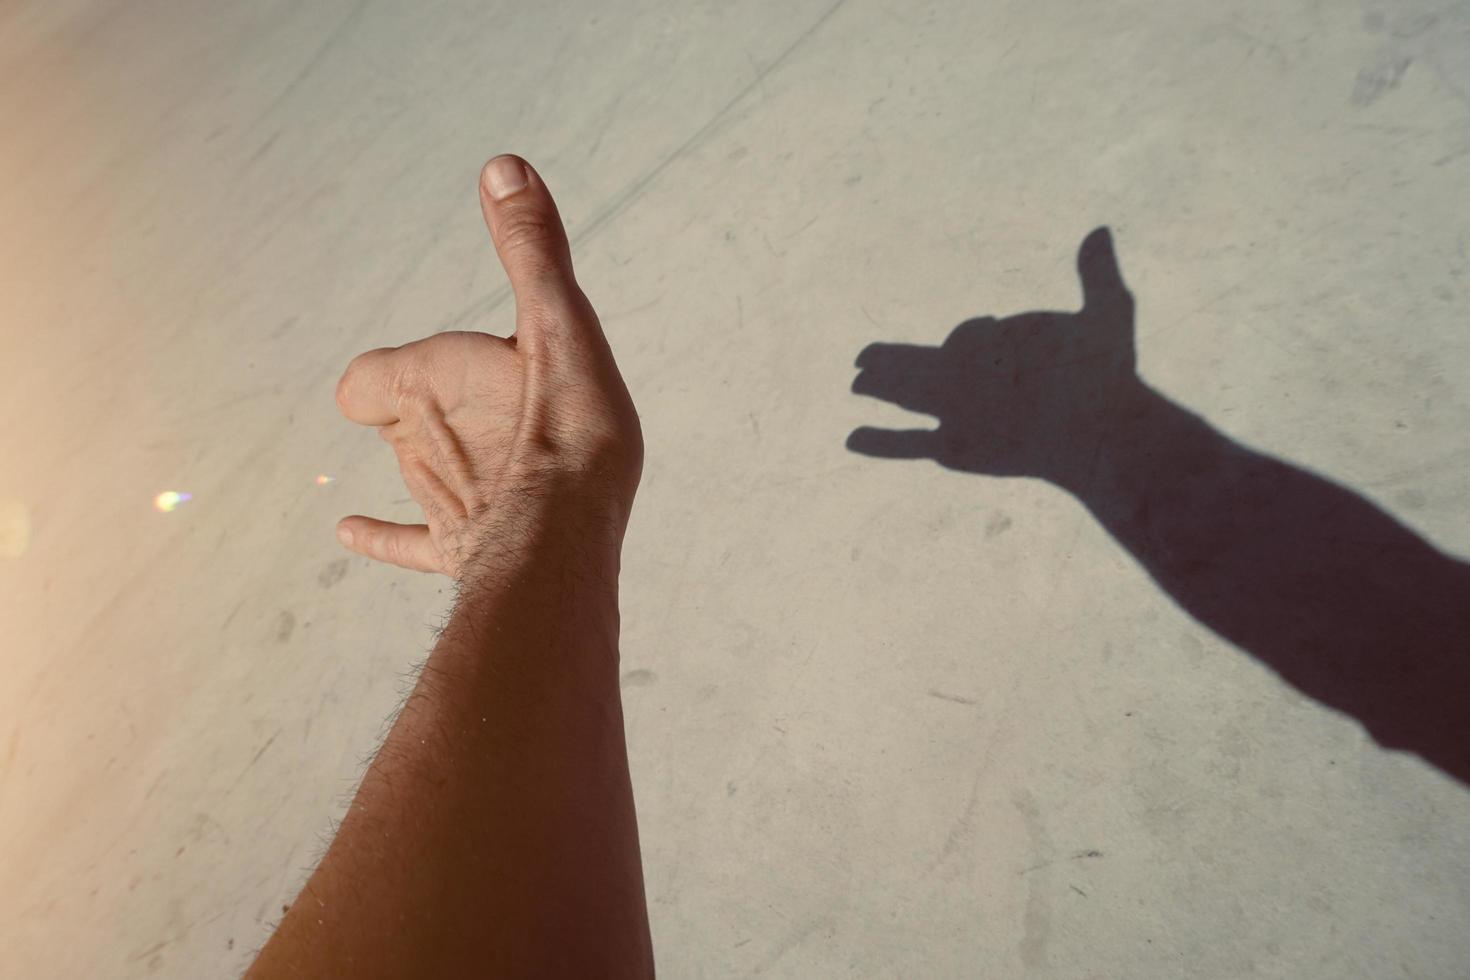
(894, 443)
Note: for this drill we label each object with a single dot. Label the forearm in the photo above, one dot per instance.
(494, 833)
(1340, 599)
(1224, 528)
(1219, 526)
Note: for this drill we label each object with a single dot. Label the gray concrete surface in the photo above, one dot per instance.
(887, 719)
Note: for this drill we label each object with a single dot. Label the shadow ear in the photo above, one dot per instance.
(1097, 266)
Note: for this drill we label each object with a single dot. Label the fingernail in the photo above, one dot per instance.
(344, 534)
(504, 176)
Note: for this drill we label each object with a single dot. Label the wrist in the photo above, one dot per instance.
(548, 543)
(538, 595)
(1124, 437)
(1144, 434)
(530, 520)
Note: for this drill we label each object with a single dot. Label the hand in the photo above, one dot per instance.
(1028, 395)
(491, 432)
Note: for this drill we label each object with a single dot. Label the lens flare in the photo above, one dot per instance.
(322, 479)
(168, 501)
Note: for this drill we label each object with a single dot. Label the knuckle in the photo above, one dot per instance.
(530, 234)
(603, 448)
(525, 226)
(414, 400)
(609, 442)
(389, 549)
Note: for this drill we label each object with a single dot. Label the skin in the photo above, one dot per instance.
(494, 832)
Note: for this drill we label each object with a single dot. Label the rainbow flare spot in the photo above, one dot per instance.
(168, 501)
(322, 479)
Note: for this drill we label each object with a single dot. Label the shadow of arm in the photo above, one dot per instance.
(1341, 600)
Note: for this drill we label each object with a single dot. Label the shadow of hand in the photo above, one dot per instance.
(1017, 396)
(1345, 603)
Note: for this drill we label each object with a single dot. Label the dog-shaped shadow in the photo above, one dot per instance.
(1341, 600)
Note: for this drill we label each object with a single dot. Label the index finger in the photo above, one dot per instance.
(365, 392)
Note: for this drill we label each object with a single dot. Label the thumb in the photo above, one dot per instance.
(528, 236)
(1097, 266)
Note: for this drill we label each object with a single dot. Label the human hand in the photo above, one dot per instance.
(1027, 395)
(500, 438)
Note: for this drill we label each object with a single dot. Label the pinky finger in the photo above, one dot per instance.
(405, 545)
